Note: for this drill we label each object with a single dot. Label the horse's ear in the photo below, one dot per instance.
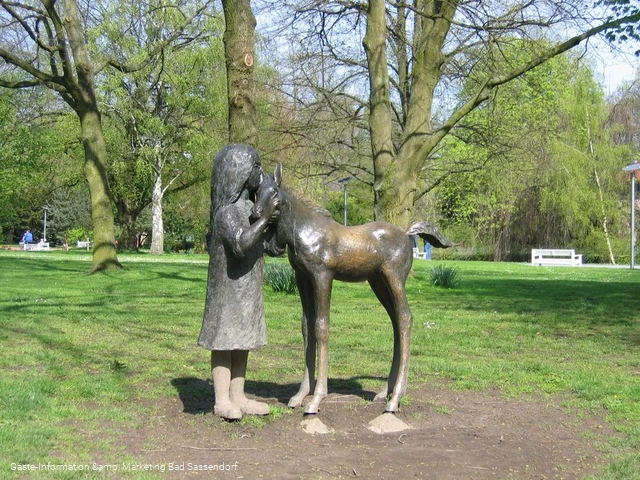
(277, 174)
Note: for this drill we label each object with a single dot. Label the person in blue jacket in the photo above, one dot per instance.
(27, 237)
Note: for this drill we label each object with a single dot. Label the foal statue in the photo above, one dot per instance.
(321, 250)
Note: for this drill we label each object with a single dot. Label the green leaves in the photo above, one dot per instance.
(444, 276)
(280, 277)
(547, 169)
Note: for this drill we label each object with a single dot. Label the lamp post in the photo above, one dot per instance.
(344, 182)
(44, 234)
(633, 172)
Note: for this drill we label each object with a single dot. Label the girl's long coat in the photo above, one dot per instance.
(234, 311)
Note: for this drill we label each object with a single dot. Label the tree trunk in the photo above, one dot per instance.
(382, 149)
(239, 58)
(157, 225)
(396, 174)
(128, 230)
(104, 249)
(82, 99)
(605, 221)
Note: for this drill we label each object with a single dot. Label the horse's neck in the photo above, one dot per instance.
(294, 214)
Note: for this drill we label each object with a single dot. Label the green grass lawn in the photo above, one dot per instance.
(80, 352)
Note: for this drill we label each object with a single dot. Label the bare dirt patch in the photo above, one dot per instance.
(454, 435)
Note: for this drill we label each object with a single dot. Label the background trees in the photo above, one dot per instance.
(54, 46)
(417, 53)
(52, 51)
(551, 172)
(434, 109)
(163, 123)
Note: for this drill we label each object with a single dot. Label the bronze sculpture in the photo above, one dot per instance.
(321, 250)
(233, 322)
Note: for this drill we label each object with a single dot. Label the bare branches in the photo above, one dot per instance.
(483, 92)
(39, 15)
(36, 34)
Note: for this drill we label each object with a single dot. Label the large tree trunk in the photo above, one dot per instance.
(104, 249)
(239, 57)
(82, 98)
(382, 149)
(157, 224)
(396, 174)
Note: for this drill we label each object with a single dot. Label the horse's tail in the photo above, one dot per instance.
(430, 233)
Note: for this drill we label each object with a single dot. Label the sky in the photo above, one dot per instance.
(613, 65)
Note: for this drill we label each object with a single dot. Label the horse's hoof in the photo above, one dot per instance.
(311, 409)
(295, 402)
(392, 407)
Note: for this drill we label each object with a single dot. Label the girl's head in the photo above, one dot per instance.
(236, 169)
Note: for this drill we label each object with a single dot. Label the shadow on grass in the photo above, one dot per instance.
(34, 267)
(197, 396)
(577, 305)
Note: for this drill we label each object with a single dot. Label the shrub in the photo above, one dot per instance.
(75, 234)
(280, 277)
(445, 277)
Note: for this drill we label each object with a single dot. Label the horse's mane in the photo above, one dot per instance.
(307, 202)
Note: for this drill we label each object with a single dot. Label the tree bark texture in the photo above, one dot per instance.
(82, 99)
(397, 166)
(104, 250)
(238, 39)
(380, 126)
(157, 224)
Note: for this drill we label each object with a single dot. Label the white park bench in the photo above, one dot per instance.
(555, 257)
(84, 244)
(40, 246)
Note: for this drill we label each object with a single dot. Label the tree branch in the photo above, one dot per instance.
(8, 6)
(155, 51)
(485, 89)
(54, 82)
(19, 84)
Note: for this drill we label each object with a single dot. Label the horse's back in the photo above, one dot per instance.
(365, 250)
(392, 242)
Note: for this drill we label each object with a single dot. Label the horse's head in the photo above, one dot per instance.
(269, 187)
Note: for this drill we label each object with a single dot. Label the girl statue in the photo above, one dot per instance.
(234, 320)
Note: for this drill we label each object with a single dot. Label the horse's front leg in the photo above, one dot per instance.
(309, 337)
(322, 299)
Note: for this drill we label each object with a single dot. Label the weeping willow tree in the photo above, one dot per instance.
(550, 169)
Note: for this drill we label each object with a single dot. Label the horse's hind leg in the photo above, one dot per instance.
(390, 291)
(403, 322)
(380, 288)
(309, 336)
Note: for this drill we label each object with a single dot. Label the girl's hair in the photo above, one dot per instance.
(231, 170)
